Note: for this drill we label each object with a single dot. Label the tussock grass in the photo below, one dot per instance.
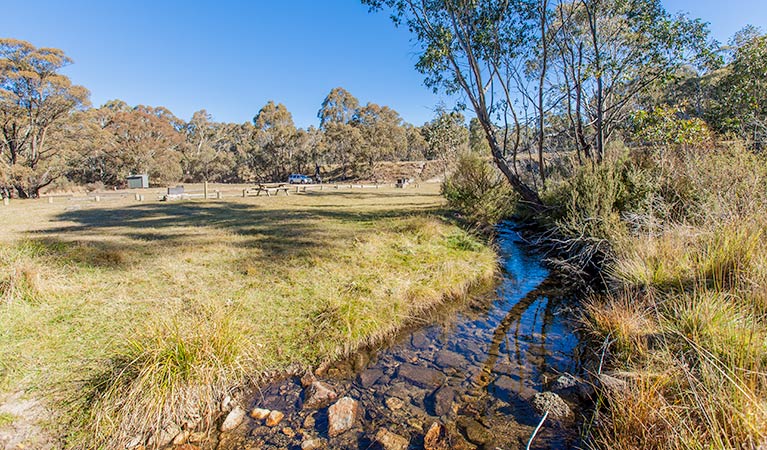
(148, 314)
(686, 315)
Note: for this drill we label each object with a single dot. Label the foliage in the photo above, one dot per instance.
(517, 61)
(740, 100)
(683, 318)
(446, 135)
(478, 191)
(34, 100)
(591, 201)
(668, 126)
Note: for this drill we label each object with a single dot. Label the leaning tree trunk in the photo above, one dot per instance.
(528, 195)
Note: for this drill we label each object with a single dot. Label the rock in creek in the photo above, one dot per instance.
(436, 438)
(391, 441)
(447, 359)
(259, 413)
(572, 388)
(551, 402)
(393, 403)
(475, 431)
(440, 402)
(312, 444)
(420, 341)
(233, 419)
(563, 382)
(367, 378)
(440, 437)
(342, 416)
(611, 384)
(318, 395)
(420, 376)
(274, 418)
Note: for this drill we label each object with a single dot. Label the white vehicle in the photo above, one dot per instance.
(296, 178)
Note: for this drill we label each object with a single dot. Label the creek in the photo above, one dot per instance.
(477, 372)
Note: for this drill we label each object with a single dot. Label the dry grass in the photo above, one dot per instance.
(139, 315)
(700, 381)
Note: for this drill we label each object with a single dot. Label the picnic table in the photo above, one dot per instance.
(269, 189)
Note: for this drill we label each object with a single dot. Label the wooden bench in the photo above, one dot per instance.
(268, 189)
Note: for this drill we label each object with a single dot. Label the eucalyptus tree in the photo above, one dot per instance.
(384, 137)
(501, 55)
(446, 136)
(143, 139)
(275, 140)
(34, 99)
(609, 52)
(740, 89)
(206, 155)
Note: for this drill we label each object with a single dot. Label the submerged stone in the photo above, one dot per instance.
(368, 378)
(420, 376)
(447, 359)
(391, 441)
(440, 402)
(318, 395)
(342, 416)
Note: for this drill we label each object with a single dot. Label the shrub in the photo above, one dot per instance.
(478, 191)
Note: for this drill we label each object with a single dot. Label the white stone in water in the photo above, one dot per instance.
(260, 413)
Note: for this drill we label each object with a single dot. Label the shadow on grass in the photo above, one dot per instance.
(113, 236)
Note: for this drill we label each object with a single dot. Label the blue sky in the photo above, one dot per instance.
(231, 57)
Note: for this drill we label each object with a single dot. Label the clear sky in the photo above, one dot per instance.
(231, 57)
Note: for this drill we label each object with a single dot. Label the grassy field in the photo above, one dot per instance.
(124, 317)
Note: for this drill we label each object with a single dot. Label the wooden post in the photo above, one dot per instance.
(137, 197)
(205, 190)
(218, 195)
(50, 199)
(6, 201)
(141, 197)
(244, 193)
(97, 199)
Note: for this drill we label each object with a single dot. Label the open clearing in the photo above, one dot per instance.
(129, 316)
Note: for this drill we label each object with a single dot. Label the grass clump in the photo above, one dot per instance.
(6, 419)
(174, 371)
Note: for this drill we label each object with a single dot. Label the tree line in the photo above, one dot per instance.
(547, 77)
(49, 134)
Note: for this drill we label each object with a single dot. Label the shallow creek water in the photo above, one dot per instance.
(476, 372)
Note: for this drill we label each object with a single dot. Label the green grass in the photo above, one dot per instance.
(6, 419)
(132, 316)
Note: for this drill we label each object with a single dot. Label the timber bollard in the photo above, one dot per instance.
(6, 201)
(205, 190)
(137, 197)
(218, 195)
(50, 199)
(97, 199)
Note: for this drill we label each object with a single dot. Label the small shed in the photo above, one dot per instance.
(138, 181)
